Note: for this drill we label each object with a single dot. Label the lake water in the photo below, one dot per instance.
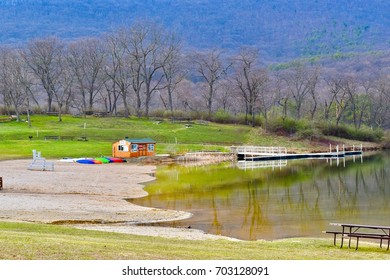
(294, 198)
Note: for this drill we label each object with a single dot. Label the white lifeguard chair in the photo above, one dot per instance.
(40, 163)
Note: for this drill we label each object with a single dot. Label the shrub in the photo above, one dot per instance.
(240, 119)
(221, 116)
(348, 132)
(285, 126)
(160, 113)
(309, 133)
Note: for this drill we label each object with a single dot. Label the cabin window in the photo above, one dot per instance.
(134, 147)
(150, 147)
(123, 148)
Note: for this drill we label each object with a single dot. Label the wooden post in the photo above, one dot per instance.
(1, 183)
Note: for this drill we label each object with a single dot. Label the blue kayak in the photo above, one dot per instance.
(86, 161)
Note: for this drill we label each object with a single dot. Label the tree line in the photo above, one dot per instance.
(145, 70)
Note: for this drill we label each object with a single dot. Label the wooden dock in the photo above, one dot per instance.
(254, 153)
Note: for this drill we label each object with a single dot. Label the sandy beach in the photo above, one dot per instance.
(86, 196)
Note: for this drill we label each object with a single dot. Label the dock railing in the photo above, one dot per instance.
(256, 150)
(272, 153)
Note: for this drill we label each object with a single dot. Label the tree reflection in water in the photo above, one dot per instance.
(298, 199)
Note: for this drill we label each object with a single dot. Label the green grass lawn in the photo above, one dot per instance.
(112, 129)
(30, 241)
(171, 137)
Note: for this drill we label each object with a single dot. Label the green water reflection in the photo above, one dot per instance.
(299, 199)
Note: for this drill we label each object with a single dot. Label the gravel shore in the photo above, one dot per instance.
(88, 196)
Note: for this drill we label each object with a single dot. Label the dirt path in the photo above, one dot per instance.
(81, 193)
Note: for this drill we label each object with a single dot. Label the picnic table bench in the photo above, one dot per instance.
(52, 137)
(67, 138)
(358, 231)
(5, 119)
(56, 137)
(52, 113)
(100, 114)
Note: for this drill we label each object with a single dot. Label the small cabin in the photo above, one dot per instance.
(132, 148)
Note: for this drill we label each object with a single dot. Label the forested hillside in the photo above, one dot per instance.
(282, 29)
(288, 66)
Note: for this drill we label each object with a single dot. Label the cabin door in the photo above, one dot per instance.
(142, 150)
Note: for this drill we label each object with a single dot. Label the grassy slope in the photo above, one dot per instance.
(35, 241)
(101, 132)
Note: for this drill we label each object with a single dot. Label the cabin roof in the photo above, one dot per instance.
(139, 140)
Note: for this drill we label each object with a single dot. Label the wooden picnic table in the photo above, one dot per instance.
(361, 231)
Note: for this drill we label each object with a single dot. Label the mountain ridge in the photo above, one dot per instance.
(282, 29)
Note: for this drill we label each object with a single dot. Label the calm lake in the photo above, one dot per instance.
(292, 198)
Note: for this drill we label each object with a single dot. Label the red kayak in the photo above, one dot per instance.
(112, 159)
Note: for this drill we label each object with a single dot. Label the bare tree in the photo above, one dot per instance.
(86, 59)
(9, 80)
(64, 95)
(338, 97)
(380, 110)
(151, 51)
(110, 97)
(334, 89)
(44, 58)
(298, 85)
(5, 79)
(281, 95)
(226, 95)
(209, 65)
(173, 69)
(313, 81)
(350, 88)
(132, 40)
(15, 82)
(119, 69)
(251, 80)
(155, 51)
(147, 49)
(365, 101)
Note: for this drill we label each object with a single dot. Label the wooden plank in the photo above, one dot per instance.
(361, 226)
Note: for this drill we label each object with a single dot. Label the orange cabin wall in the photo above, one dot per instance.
(142, 150)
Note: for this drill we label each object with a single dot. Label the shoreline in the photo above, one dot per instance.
(90, 197)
